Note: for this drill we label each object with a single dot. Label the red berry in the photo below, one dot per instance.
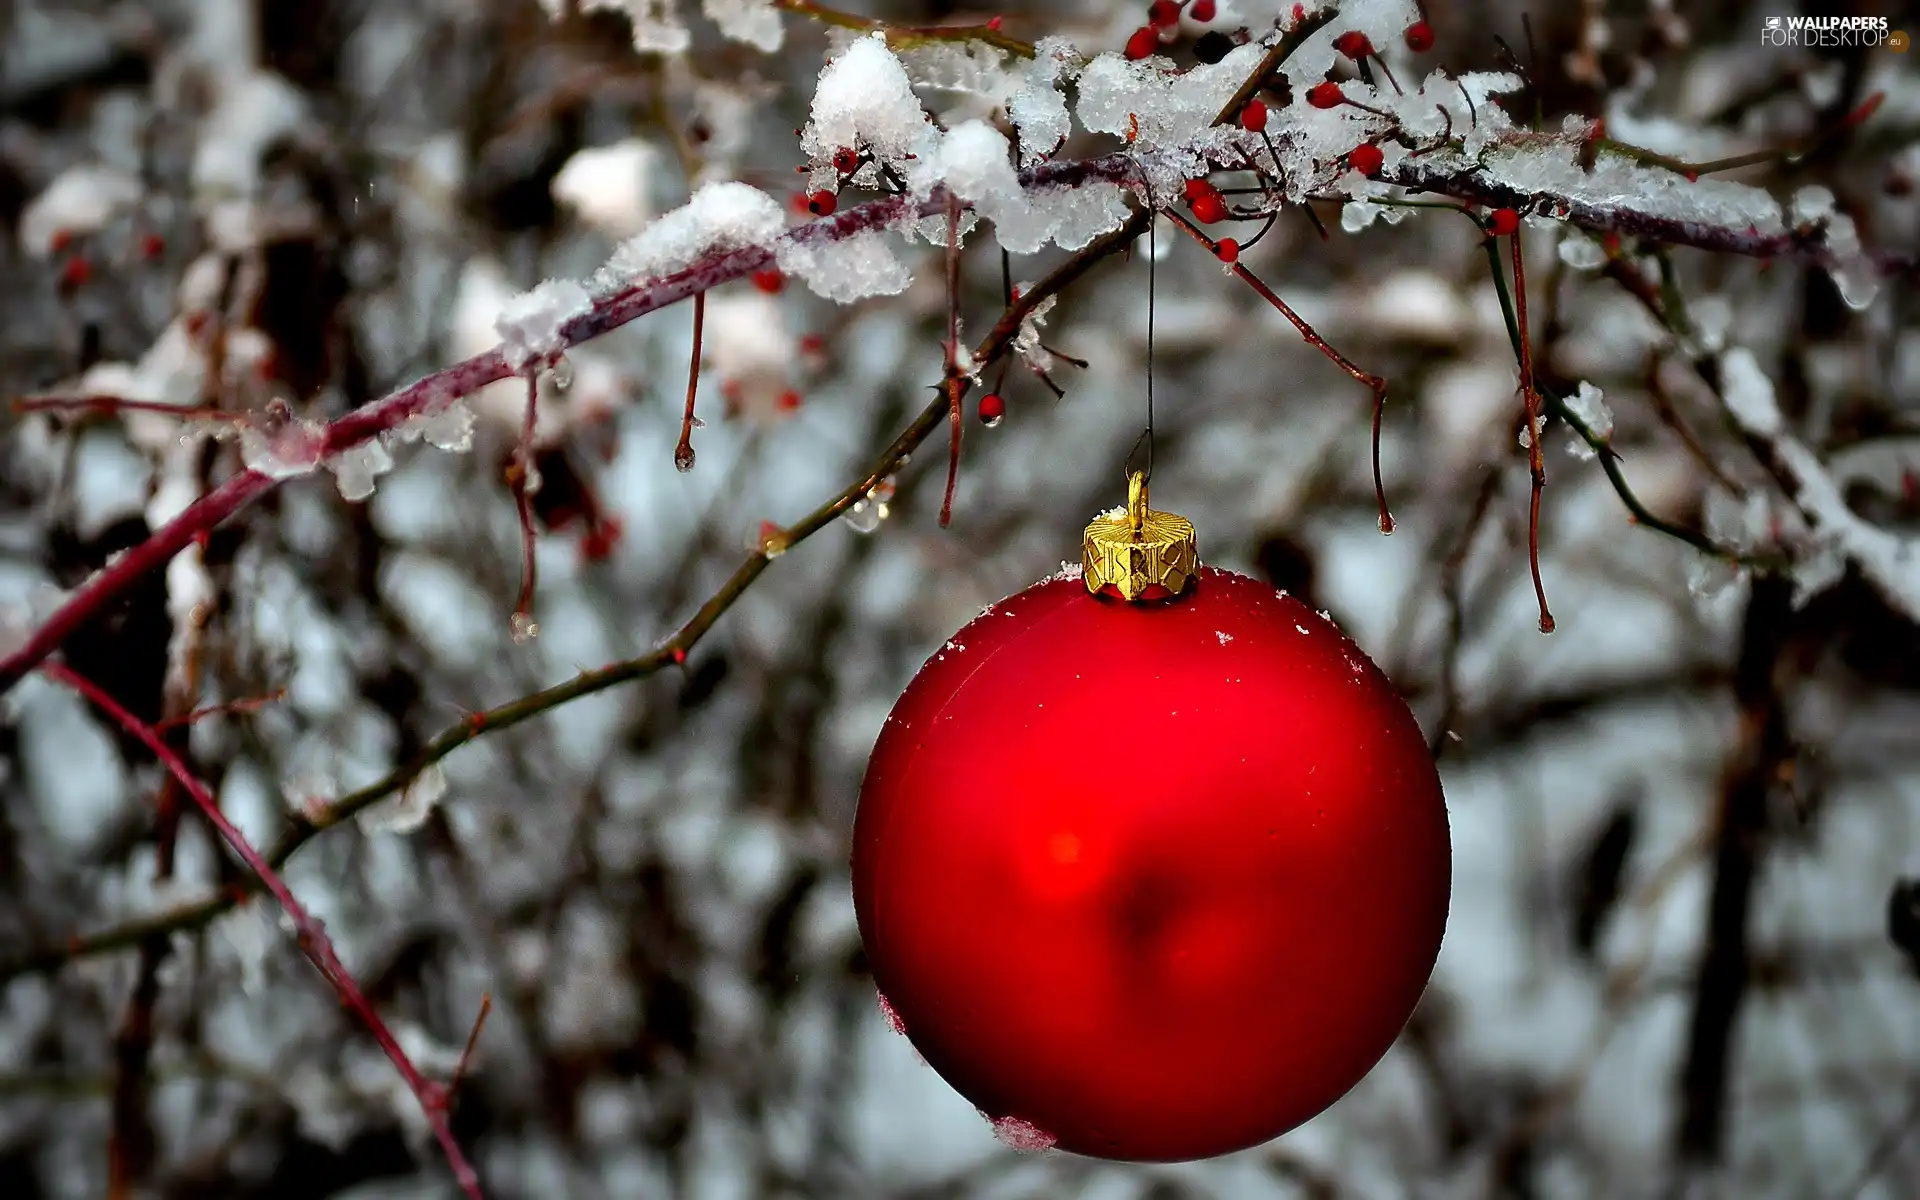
(1201, 11)
(822, 203)
(846, 160)
(60, 241)
(788, 401)
(75, 273)
(1143, 43)
(769, 280)
(992, 409)
(152, 246)
(1208, 208)
(1503, 222)
(1253, 118)
(1354, 45)
(994, 23)
(1326, 95)
(1366, 159)
(1196, 188)
(1162, 14)
(1419, 37)
(599, 540)
(1228, 250)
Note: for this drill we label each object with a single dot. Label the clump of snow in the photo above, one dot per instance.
(972, 160)
(254, 111)
(720, 216)
(750, 350)
(847, 270)
(530, 323)
(755, 22)
(1749, 393)
(1588, 405)
(864, 101)
(610, 187)
(1038, 110)
(80, 200)
(1155, 105)
(657, 28)
(1070, 217)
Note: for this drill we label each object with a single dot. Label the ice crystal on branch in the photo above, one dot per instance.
(850, 269)
(529, 325)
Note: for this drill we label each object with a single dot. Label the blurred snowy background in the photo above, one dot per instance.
(1678, 820)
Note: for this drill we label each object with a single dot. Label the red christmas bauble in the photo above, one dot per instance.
(1159, 880)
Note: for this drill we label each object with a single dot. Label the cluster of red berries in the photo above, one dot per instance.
(76, 268)
(1163, 17)
(1205, 202)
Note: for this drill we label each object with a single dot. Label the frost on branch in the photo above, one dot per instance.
(1890, 562)
(850, 269)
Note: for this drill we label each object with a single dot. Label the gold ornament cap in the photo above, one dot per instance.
(1136, 550)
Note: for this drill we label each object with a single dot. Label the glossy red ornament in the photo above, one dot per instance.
(1159, 880)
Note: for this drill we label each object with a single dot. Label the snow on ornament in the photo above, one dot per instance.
(1157, 866)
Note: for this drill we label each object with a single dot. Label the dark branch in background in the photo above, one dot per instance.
(1762, 752)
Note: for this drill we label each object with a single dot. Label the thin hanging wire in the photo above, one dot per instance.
(1153, 254)
(1146, 435)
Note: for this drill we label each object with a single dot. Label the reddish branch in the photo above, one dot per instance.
(683, 452)
(1536, 454)
(521, 479)
(615, 309)
(313, 939)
